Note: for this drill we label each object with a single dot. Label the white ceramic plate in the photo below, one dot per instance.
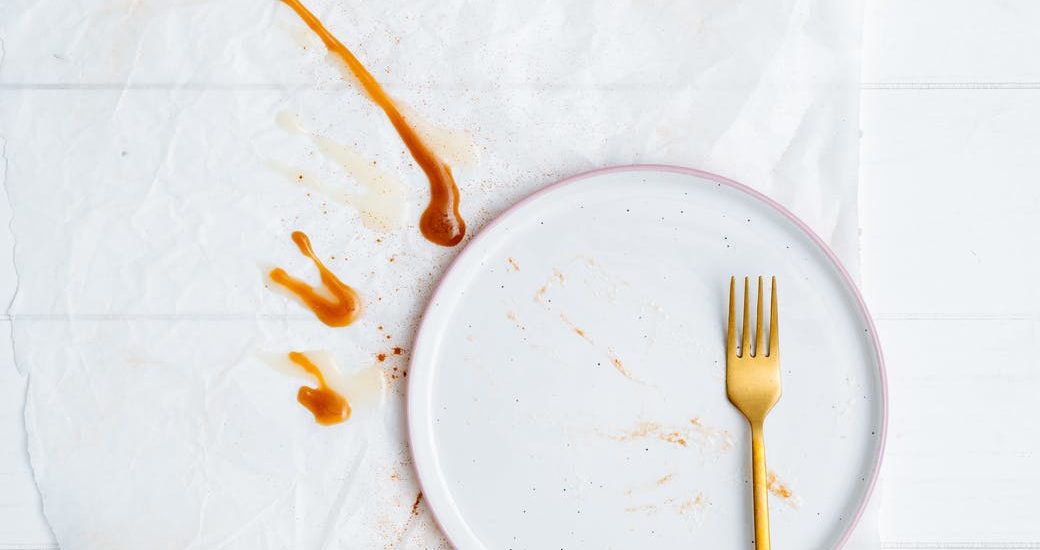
(567, 382)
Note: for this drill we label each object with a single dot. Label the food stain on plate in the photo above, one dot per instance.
(651, 486)
(580, 332)
(512, 316)
(383, 202)
(697, 503)
(557, 278)
(681, 435)
(654, 497)
(338, 306)
(441, 222)
(781, 490)
(661, 481)
(648, 509)
(593, 276)
(619, 366)
(719, 439)
(612, 356)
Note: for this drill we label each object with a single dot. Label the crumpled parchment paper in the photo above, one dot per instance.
(152, 184)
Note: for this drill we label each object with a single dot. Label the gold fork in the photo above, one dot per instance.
(753, 386)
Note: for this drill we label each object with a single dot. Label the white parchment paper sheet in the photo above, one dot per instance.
(139, 137)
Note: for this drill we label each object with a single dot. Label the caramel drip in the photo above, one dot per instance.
(327, 405)
(441, 222)
(345, 305)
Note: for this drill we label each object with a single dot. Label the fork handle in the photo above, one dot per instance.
(761, 486)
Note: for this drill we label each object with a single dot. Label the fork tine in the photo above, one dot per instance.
(745, 337)
(774, 325)
(760, 337)
(731, 329)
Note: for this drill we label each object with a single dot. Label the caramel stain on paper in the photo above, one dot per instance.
(303, 37)
(415, 505)
(395, 536)
(395, 373)
(440, 223)
(325, 403)
(383, 201)
(338, 306)
(362, 388)
(665, 479)
(515, 265)
(454, 146)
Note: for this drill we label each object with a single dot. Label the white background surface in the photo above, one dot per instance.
(949, 203)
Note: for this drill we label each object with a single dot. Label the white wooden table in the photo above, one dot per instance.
(950, 214)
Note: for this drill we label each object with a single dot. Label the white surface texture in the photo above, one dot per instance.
(138, 137)
(950, 217)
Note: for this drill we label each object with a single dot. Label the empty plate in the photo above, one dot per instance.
(567, 382)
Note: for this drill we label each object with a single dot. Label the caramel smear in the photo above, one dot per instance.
(415, 505)
(557, 278)
(441, 223)
(383, 200)
(454, 146)
(341, 309)
(780, 489)
(620, 367)
(327, 405)
(615, 361)
(696, 503)
(693, 434)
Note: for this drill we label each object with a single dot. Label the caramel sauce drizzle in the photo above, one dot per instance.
(441, 222)
(345, 305)
(325, 403)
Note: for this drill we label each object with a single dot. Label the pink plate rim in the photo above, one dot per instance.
(871, 483)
